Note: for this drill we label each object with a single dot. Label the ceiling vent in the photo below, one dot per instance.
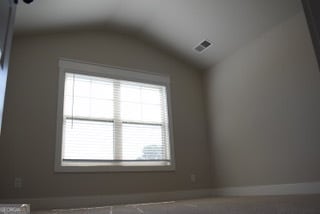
(202, 46)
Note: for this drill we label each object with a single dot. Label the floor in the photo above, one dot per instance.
(304, 204)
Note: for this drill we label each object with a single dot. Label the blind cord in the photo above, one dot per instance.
(72, 104)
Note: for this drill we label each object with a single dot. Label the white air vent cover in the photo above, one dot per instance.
(202, 46)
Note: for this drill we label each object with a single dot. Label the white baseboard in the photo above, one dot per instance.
(105, 200)
(278, 189)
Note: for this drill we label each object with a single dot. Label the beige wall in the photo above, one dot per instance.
(264, 104)
(29, 130)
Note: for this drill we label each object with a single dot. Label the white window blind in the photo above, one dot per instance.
(114, 122)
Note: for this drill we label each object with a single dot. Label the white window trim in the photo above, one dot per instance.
(79, 67)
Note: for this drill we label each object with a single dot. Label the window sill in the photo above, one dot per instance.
(113, 168)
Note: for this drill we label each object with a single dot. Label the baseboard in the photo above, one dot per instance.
(278, 189)
(104, 200)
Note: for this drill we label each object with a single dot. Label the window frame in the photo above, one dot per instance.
(98, 70)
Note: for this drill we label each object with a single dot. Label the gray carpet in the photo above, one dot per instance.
(304, 204)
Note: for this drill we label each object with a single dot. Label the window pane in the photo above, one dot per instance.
(88, 140)
(68, 87)
(81, 107)
(130, 93)
(102, 89)
(101, 108)
(81, 87)
(131, 111)
(150, 96)
(141, 102)
(68, 106)
(142, 142)
(151, 113)
(88, 96)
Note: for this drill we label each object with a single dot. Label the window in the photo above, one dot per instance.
(112, 119)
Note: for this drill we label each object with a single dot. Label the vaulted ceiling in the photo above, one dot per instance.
(177, 25)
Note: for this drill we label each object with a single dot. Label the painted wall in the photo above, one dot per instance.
(27, 143)
(264, 105)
